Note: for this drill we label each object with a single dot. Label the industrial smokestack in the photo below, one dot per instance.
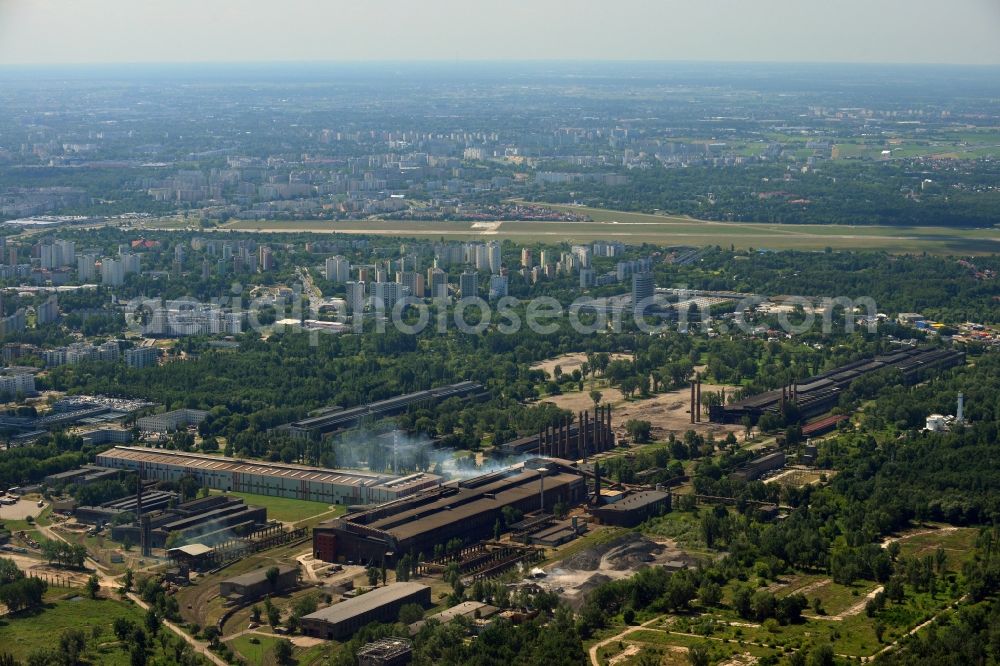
(960, 412)
(597, 484)
(541, 489)
(610, 434)
(698, 404)
(692, 402)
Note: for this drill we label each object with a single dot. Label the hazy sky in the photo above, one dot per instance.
(87, 31)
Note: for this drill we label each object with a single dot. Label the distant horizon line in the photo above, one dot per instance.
(137, 64)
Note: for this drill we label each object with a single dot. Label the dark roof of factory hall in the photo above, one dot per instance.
(257, 576)
(637, 501)
(366, 602)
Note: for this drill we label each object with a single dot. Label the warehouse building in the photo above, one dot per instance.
(817, 395)
(338, 418)
(255, 584)
(466, 510)
(82, 476)
(382, 604)
(633, 509)
(266, 478)
(210, 520)
(757, 467)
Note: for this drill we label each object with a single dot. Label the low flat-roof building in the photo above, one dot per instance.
(255, 584)
(382, 604)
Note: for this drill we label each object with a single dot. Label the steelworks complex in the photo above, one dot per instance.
(266, 478)
(467, 510)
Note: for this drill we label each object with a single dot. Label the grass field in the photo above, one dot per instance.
(259, 653)
(27, 633)
(290, 510)
(663, 230)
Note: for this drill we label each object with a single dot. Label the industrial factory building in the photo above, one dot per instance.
(757, 467)
(467, 510)
(210, 520)
(633, 509)
(817, 395)
(382, 604)
(255, 584)
(588, 435)
(266, 478)
(338, 418)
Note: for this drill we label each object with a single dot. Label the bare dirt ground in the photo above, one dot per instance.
(666, 412)
(52, 574)
(569, 362)
(579, 573)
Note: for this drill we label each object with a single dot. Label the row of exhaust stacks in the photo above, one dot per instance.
(590, 434)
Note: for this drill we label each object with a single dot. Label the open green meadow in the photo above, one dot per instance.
(257, 650)
(290, 510)
(28, 632)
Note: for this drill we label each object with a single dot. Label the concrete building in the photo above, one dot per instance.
(643, 290)
(266, 259)
(79, 352)
(356, 297)
(495, 259)
(382, 604)
(338, 269)
(316, 484)
(437, 283)
(15, 323)
(468, 284)
(412, 282)
(498, 286)
(86, 265)
(112, 272)
(170, 421)
(48, 311)
(142, 357)
(385, 295)
(19, 383)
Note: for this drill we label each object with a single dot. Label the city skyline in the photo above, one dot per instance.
(112, 31)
